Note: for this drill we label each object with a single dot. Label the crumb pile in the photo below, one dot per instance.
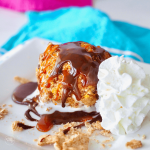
(21, 80)
(75, 139)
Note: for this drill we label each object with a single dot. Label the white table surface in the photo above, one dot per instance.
(132, 11)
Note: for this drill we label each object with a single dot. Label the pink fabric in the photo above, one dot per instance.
(39, 5)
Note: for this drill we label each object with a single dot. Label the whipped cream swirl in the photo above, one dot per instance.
(124, 97)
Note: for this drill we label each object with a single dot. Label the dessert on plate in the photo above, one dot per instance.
(77, 74)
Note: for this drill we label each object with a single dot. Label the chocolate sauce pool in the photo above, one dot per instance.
(21, 92)
(47, 121)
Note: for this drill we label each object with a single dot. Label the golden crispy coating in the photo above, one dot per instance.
(52, 89)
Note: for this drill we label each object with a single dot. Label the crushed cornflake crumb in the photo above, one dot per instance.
(21, 80)
(97, 141)
(23, 121)
(105, 133)
(35, 140)
(72, 124)
(103, 145)
(134, 144)
(97, 125)
(3, 113)
(112, 138)
(49, 108)
(106, 141)
(143, 137)
(74, 139)
(109, 145)
(10, 105)
(4, 105)
(92, 127)
(15, 126)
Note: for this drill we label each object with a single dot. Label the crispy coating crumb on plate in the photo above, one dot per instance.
(21, 80)
(4, 105)
(3, 113)
(75, 139)
(35, 140)
(105, 133)
(92, 127)
(134, 144)
(103, 145)
(49, 108)
(143, 137)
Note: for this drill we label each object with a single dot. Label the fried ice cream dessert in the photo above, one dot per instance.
(67, 73)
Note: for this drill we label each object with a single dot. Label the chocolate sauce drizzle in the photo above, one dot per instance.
(47, 121)
(82, 63)
(25, 127)
(21, 92)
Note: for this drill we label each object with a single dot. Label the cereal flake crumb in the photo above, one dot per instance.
(112, 138)
(3, 112)
(105, 133)
(97, 125)
(73, 140)
(49, 108)
(92, 127)
(134, 144)
(143, 137)
(23, 121)
(4, 105)
(97, 141)
(21, 80)
(35, 140)
(103, 145)
(10, 105)
(106, 141)
(15, 126)
(72, 124)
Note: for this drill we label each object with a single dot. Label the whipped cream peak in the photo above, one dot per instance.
(124, 97)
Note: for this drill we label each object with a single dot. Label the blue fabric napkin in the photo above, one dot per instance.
(89, 25)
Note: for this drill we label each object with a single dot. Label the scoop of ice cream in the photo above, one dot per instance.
(124, 97)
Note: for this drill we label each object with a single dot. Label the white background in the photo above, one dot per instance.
(132, 11)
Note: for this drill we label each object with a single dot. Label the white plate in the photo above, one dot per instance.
(22, 61)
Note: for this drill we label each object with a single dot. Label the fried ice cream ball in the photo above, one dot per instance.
(67, 73)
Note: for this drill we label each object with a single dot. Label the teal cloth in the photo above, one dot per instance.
(89, 25)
